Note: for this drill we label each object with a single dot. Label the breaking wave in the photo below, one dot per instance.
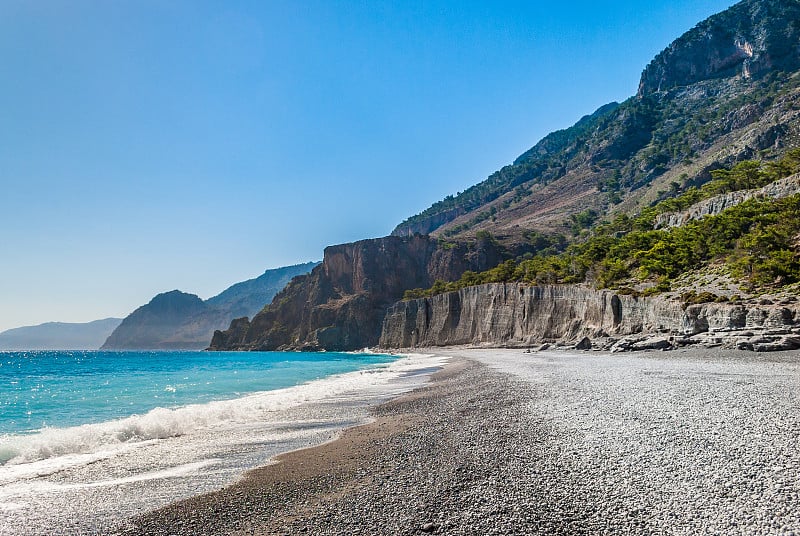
(101, 439)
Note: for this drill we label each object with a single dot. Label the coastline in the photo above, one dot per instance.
(89, 479)
(550, 443)
(277, 495)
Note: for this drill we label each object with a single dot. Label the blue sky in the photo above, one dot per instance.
(151, 145)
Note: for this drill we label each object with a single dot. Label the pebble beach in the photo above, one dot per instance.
(506, 442)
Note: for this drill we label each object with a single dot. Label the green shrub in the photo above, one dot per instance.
(758, 239)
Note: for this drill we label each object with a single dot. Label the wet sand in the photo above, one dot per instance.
(502, 442)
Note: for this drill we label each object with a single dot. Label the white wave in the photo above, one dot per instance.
(81, 444)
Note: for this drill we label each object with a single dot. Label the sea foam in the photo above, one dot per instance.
(89, 479)
(79, 444)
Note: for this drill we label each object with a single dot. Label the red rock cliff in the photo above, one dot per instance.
(340, 305)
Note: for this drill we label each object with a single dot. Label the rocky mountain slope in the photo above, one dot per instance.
(751, 38)
(177, 320)
(725, 92)
(59, 335)
(715, 205)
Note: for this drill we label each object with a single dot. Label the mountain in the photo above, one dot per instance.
(249, 297)
(580, 207)
(177, 320)
(170, 321)
(723, 92)
(749, 39)
(59, 335)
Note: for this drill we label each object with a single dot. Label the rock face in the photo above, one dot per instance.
(748, 39)
(340, 305)
(59, 335)
(177, 320)
(519, 315)
(709, 207)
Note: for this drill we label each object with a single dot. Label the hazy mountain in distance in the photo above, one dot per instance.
(177, 320)
(59, 335)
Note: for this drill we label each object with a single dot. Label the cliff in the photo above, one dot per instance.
(750, 38)
(715, 205)
(340, 305)
(512, 314)
(519, 315)
(177, 320)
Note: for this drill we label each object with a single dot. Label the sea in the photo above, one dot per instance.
(89, 439)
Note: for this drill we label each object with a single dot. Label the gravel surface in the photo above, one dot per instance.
(504, 442)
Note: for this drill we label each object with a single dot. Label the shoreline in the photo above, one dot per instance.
(547, 443)
(298, 479)
(96, 490)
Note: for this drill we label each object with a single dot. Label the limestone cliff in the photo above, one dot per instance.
(512, 314)
(750, 38)
(520, 315)
(714, 205)
(340, 305)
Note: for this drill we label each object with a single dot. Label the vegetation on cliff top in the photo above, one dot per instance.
(757, 239)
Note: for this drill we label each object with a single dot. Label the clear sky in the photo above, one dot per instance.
(150, 145)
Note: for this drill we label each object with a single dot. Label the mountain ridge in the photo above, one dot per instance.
(178, 320)
(59, 335)
(624, 153)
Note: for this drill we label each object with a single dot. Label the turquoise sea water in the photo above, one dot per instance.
(48, 389)
(89, 439)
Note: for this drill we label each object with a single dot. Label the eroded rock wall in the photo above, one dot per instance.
(518, 315)
(341, 304)
(714, 205)
(752, 37)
